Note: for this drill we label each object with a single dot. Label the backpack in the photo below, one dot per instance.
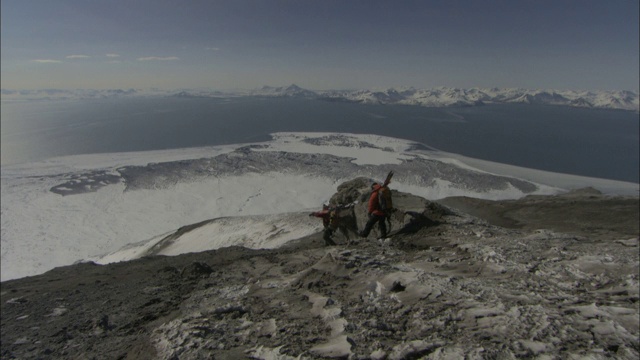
(384, 199)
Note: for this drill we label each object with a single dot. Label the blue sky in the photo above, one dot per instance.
(322, 44)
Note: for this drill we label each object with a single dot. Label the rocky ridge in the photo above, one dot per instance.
(500, 283)
(415, 171)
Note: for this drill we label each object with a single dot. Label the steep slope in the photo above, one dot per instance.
(446, 285)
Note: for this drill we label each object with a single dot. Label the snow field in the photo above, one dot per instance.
(42, 230)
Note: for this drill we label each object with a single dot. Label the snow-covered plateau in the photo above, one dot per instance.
(507, 263)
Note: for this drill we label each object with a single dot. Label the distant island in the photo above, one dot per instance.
(436, 97)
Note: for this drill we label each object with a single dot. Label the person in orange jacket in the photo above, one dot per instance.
(376, 215)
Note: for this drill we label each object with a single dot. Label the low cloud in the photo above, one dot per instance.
(113, 55)
(156, 58)
(46, 61)
(78, 57)
(212, 48)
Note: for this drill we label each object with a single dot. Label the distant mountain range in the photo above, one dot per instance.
(446, 97)
(436, 97)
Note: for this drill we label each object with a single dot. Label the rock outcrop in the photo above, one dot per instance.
(445, 285)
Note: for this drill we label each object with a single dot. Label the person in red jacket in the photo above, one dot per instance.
(329, 220)
(376, 215)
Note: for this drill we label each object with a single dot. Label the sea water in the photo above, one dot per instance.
(589, 142)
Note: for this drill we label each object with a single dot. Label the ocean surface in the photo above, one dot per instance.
(588, 142)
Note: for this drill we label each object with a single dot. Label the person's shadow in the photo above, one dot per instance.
(417, 221)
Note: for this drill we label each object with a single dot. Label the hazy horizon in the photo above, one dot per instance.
(320, 45)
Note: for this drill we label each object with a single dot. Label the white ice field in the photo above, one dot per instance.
(42, 229)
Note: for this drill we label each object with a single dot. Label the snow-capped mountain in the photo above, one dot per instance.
(288, 91)
(443, 97)
(450, 97)
(437, 97)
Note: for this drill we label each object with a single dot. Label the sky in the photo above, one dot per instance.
(319, 44)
